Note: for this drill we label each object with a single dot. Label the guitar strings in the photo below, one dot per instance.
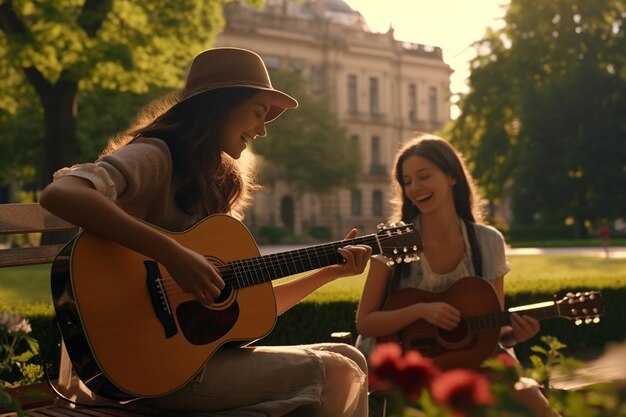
(234, 272)
(258, 264)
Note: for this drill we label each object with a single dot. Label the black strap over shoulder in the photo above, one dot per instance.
(477, 259)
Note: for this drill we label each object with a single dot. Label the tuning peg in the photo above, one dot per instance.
(401, 223)
(578, 322)
(390, 262)
(380, 226)
(596, 319)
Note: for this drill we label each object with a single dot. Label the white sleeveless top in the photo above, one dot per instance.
(492, 249)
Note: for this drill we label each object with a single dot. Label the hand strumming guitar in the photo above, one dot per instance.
(440, 314)
(195, 274)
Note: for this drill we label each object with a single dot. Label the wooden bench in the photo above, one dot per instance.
(16, 219)
(19, 219)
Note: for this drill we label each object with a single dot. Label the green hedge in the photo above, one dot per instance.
(540, 232)
(310, 322)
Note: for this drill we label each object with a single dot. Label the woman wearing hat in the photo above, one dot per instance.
(176, 168)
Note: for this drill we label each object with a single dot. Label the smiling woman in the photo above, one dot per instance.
(434, 191)
(176, 179)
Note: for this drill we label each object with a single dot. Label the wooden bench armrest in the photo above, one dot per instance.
(30, 218)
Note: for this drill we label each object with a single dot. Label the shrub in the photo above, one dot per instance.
(272, 234)
(320, 232)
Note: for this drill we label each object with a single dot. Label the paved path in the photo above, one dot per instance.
(614, 252)
(609, 367)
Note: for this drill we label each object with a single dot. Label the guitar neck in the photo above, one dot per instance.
(253, 271)
(497, 320)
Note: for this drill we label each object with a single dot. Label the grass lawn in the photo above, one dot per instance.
(550, 273)
(26, 289)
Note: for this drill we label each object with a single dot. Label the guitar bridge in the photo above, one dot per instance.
(158, 297)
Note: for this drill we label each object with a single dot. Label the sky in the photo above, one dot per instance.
(450, 24)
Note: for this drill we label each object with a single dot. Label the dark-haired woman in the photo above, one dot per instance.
(433, 190)
(178, 165)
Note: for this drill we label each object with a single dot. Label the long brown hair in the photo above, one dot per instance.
(190, 128)
(441, 153)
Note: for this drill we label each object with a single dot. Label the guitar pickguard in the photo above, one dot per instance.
(202, 325)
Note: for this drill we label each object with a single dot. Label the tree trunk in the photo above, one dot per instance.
(60, 142)
(581, 229)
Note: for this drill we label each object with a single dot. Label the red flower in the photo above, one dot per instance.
(416, 374)
(384, 362)
(410, 373)
(506, 359)
(462, 390)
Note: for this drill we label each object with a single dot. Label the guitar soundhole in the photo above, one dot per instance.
(224, 295)
(455, 335)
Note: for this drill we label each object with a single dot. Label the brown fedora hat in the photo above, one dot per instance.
(234, 67)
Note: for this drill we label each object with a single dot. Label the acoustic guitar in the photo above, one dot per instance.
(476, 336)
(131, 331)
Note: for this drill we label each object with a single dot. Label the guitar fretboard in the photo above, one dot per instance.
(492, 321)
(253, 271)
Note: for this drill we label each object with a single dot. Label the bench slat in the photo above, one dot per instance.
(29, 255)
(29, 218)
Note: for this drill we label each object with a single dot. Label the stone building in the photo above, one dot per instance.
(382, 90)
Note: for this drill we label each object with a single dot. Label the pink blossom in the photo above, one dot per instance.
(462, 390)
(410, 373)
(506, 359)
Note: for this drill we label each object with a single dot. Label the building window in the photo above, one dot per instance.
(287, 212)
(354, 141)
(377, 203)
(375, 150)
(272, 62)
(374, 96)
(316, 80)
(376, 167)
(352, 94)
(412, 102)
(432, 104)
(356, 202)
(296, 66)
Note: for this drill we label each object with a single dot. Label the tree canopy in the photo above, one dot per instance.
(63, 47)
(307, 147)
(543, 121)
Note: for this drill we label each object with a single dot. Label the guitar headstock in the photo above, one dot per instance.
(582, 307)
(399, 242)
